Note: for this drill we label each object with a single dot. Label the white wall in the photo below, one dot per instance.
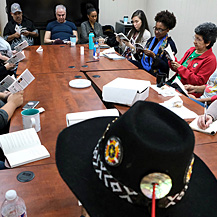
(3, 16)
(189, 14)
(114, 10)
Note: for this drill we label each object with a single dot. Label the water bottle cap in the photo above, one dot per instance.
(96, 42)
(11, 195)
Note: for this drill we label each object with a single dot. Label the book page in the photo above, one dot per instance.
(28, 155)
(20, 140)
(21, 46)
(114, 56)
(212, 129)
(177, 81)
(16, 58)
(170, 52)
(122, 36)
(7, 81)
(22, 82)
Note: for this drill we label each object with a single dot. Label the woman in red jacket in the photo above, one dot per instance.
(199, 62)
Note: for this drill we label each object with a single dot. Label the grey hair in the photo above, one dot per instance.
(208, 31)
(60, 7)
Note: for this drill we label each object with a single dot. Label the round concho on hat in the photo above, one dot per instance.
(113, 151)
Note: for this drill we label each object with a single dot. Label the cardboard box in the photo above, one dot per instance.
(125, 91)
(74, 118)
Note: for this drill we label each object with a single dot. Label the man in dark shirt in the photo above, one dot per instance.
(20, 28)
(60, 29)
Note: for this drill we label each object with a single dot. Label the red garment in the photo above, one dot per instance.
(199, 69)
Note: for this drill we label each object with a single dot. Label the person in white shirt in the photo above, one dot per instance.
(138, 34)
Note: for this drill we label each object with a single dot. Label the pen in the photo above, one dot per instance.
(205, 105)
(92, 61)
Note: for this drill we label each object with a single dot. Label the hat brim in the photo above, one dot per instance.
(74, 153)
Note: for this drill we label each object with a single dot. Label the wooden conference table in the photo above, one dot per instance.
(47, 192)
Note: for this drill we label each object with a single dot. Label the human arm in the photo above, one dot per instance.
(210, 117)
(47, 38)
(198, 70)
(84, 33)
(76, 34)
(13, 102)
(32, 34)
(160, 60)
(194, 89)
(3, 57)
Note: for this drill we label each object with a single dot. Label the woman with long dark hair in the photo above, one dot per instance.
(138, 34)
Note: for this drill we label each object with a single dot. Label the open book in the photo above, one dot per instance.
(139, 47)
(212, 129)
(177, 84)
(122, 36)
(114, 56)
(22, 147)
(17, 57)
(21, 46)
(169, 53)
(15, 85)
(74, 118)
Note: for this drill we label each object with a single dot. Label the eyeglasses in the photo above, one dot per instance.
(158, 29)
(197, 39)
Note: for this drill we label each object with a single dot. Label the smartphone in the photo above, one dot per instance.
(30, 104)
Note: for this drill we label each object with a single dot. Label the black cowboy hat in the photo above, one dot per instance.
(111, 168)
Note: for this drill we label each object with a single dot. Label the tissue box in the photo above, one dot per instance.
(125, 91)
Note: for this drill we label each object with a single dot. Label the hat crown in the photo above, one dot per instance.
(153, 139)
(15, 7)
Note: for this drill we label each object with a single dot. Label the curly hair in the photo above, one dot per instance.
(167, 18)
(208, 31)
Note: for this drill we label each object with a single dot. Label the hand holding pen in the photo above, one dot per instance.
(204, 120)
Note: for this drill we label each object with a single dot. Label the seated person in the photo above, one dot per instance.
(199, 62)
(19, 28)
(209, 90)
(154, 58)
(5, 68)
(61, 29)
(210, 117)
(5, 49)
(8, 104)
(90, 25)
(138, 34)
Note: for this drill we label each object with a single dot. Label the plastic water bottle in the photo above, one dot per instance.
(96, 51)
(13, 206)
(91, 40)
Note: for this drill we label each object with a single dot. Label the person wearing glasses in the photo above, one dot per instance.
(199, 62)
(138, 34)
(154, 58)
